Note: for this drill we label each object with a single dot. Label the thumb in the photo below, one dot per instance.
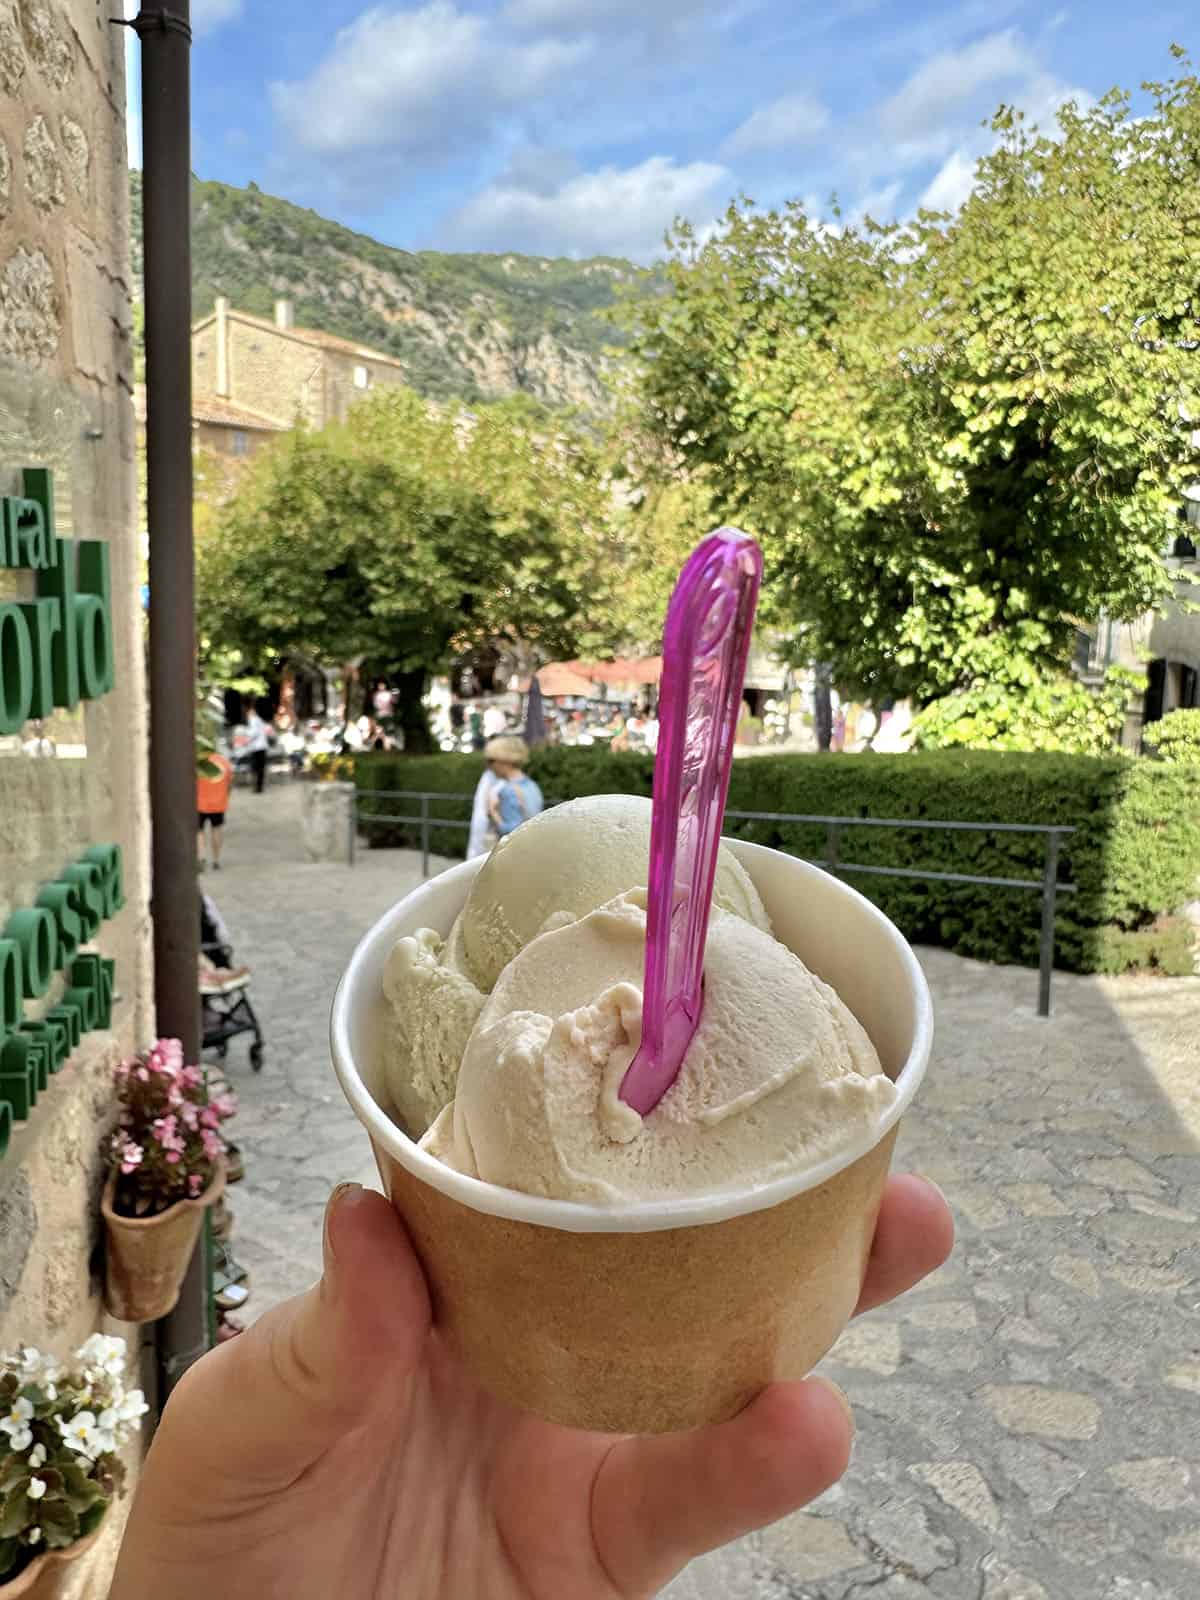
(264, 1406)
(658, 1502)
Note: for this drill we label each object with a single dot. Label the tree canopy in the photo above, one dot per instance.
(406, 537)
(959, 437)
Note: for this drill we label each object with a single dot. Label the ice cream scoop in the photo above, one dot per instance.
(553, 869)
(563, 864)
(778, 1074)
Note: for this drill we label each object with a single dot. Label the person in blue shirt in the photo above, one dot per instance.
(515, 797)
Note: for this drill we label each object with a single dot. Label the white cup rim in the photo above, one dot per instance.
(650, 1216)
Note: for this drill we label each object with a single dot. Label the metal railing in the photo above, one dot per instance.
(1047, 886)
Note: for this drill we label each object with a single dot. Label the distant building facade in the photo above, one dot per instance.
(252, 377)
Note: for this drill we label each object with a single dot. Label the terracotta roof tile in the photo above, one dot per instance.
(210, 408)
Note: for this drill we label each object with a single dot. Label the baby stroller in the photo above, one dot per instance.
(225, 1008)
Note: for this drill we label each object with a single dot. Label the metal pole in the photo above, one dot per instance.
(833, 838)
(166, 38)
(353, 839)
(424, 835)
(1049, 904)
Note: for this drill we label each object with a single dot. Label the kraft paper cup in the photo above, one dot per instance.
(660, 1315)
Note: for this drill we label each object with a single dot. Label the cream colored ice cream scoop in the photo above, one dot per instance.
(553, 869)
(563, 864)
(778, 1075)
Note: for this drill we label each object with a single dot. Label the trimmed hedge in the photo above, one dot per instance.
(1135, 855)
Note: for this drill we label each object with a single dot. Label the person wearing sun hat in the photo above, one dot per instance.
(481, 836)
(516, 797)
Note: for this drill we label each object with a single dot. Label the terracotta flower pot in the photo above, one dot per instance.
(47, 1577)
(148, 1256)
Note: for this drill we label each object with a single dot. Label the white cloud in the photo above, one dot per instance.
(951, 79)
(612, 211)
(584, 15)
(420, 84)
(878, 204)
(953, 183)
(792, 120)
(1040, 98)
(210, 14)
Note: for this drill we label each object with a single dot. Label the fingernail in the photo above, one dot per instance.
(336, 1199)
(841, 1399)
(935, 1187)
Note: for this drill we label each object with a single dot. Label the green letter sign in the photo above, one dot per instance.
(58, 648)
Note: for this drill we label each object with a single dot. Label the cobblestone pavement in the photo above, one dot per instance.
(1029, 1420)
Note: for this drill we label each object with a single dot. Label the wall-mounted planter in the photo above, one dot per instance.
(148, 1256)
(49, 1576)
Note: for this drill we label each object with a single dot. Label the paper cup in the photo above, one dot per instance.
(670, 1313)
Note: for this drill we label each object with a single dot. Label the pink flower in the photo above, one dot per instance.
(172, 1053)
(143, 1075)
(131, 1156)
(194, 1183)
(174, 1097)
(224, 1105)
(173, 1158)
(166, 1131)
(210, 1117)
(189, 1115)
(191, 1078)
(214, 1145)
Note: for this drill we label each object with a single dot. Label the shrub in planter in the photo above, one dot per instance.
(167, 1166)
(61, 1426)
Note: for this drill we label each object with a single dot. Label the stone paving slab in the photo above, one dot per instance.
(1029, 1419)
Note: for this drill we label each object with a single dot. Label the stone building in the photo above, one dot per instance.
(244, 367)
(1162, 644)
(76, 779)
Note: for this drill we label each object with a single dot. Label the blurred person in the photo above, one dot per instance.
(212, 802)
(383, 701)
(516, 797)
(257, 743)
(481, 837)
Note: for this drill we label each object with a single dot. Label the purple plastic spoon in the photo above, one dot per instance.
(705, 644)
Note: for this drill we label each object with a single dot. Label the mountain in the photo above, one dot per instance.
(477, 327)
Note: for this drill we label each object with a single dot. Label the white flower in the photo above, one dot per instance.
(131, 1407)
(103, 1353)
(36, 1368)
(37, 1457)
(35, 1535)
(21, 1413)
(80, 1434)
(106, 1436)
(16, 1424)
(36, 1488)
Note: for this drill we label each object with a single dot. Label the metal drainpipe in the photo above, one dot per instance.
(165, 35)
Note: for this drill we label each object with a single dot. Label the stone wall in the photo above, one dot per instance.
(275, 375)
(65, 403)
(340, 389)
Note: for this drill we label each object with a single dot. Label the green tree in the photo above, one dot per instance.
(403, 538)
(958, 437)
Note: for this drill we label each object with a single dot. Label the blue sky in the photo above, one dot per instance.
(580, 127)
